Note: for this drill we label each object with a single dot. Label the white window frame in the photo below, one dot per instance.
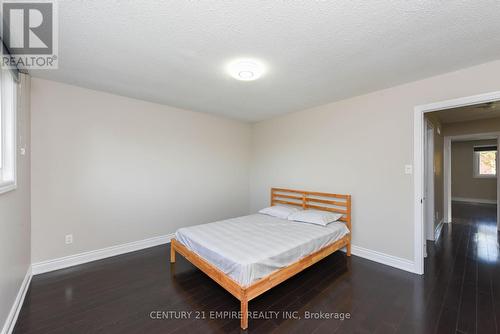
(8, 122)
(475, 159)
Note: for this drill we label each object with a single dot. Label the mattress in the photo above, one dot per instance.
(250, 247)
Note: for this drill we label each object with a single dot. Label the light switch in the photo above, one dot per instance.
(408, 169)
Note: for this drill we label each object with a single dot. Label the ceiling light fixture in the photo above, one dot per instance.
(246, 69)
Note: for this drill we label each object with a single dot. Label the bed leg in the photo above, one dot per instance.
(348, 249)
(172, 251)
(244, 314)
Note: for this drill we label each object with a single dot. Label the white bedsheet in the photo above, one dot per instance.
(250, 247)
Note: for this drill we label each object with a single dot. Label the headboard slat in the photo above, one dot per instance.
(325, 201)
(311, 199)
(287, 202)
(310, 193)
(288, 196)
(327, 209)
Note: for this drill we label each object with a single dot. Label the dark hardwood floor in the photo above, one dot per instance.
(460, 292)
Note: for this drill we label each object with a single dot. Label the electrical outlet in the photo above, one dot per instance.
(68, 239)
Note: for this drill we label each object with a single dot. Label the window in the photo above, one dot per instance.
(7, 131)
(485, 161)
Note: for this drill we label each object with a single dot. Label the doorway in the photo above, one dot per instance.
(421, 211)
(480, 189)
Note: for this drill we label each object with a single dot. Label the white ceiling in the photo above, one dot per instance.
(174, 52)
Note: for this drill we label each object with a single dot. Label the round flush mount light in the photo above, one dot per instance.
(246, 69)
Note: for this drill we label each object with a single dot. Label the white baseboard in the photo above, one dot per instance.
(437, 230)
(10, 322)
(73, 260)
(474, 200)
(99, 254)
(389, 260)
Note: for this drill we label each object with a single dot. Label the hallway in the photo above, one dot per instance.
(465, 267)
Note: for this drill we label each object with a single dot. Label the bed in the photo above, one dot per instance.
(251, 254)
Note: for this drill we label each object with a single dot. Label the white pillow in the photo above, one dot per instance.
(318, 217)
(279, 211)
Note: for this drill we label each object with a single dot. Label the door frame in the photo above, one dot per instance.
(447, 214)
(418, 162)
(429, 209)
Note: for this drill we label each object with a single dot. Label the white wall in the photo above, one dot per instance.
(359, 146)
(463, 182)
(111, 170)
(15, 215)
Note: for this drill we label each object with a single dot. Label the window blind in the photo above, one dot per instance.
(485, 148)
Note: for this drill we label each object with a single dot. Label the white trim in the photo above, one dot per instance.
(7, 186)
(479, 176)
(437, 230)
(447, 179)
(459, 102)
(498, 187)
(69, 261)
(474, 200)
(379, 257)
(429, 209)
(10, 322)
(418, 161)
(418, 185)
(73, 260)
(474, 136)
(9, 123)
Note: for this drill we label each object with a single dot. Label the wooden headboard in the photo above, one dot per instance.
(314, 200)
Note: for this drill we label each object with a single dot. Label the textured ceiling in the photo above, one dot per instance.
(174, 52)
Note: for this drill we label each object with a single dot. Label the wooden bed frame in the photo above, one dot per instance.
(306, 200)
